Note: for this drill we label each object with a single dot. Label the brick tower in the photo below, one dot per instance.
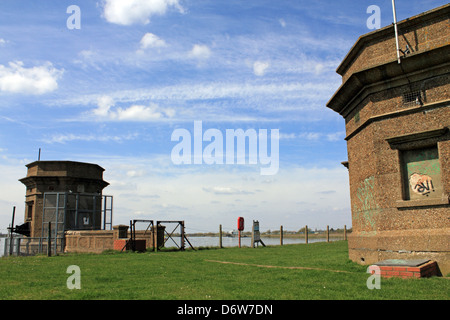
(67, 186)
(397, 118)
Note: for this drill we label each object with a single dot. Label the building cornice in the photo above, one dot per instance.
(399, 113)
(414, 67)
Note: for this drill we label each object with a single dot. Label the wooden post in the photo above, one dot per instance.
(306, 234)
(281, 235)
(345, 232)
(220, 236)
(49, 240)
(328, 234)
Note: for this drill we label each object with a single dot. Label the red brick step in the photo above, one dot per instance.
(405, 268)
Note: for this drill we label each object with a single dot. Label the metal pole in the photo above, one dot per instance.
(104, 212)
(11, 243)
(155, 236)
(182, 234)
(56, 221)
(396, 31)
(49, 240)
(253, 234)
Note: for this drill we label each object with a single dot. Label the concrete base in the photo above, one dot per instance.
(367, 248)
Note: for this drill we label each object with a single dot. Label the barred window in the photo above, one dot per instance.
(413, 98)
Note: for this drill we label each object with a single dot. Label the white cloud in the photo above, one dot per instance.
(63, 138)
(337, 136)
(149, 40)
(200, 51)
(214, 90)
(104, 104)
(136, 11)
(314, 136)
(318, 69)
(282, 22)
(184, 102)
(2, 42)
(105, 111)
(137, 113)
(226, 190)
(135, 173)
(287, 136)
(260, 67)
(311, 136)
(16, 78)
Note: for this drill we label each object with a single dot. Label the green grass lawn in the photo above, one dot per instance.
(197, 275)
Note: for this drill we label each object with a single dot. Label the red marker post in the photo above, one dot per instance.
(240, 225)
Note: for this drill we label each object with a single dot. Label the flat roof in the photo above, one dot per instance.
(32, 164)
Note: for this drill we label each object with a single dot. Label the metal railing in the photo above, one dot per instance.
(25, 246)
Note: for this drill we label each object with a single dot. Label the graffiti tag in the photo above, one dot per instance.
(367, 209)
(421, 184)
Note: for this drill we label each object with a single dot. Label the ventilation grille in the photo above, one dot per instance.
(413, 98)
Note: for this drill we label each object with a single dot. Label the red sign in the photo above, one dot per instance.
(240, 224)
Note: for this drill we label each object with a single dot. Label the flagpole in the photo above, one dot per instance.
(396, 31)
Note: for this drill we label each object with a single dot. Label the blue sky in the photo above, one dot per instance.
(113, 91)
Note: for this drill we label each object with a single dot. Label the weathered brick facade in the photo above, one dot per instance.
(397, 125)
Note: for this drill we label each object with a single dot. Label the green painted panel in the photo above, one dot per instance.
(422, 173)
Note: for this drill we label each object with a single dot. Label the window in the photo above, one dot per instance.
(421, 173)
(420, 167)
(29, 211)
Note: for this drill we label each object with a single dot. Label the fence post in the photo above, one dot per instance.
(306, 234)
(220, 236)
(182, 235)
(11, 235)
(49, 240)
(345, 232)
(328, 233)
(281, 235)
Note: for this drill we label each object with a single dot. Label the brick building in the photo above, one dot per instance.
(397, 119)
(68, 196)
(69, 193)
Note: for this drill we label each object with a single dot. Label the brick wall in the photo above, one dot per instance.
(97, 241)
(427, 270)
